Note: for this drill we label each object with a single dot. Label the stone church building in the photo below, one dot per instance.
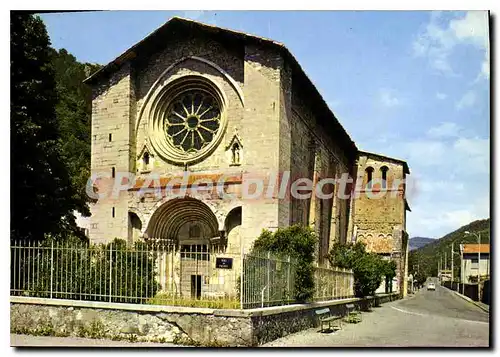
(229, 107)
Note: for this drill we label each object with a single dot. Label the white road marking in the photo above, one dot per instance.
(408, 312)
(416, 313)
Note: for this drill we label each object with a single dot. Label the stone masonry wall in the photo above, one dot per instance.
(379, 222)
(253, 111)
(316, 156)
(377, 217)
(182, 325)
(112, 122)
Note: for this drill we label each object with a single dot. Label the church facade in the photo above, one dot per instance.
(222, 128)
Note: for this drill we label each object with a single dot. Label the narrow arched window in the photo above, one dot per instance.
(146, 159)
(384, 170)
(369, 177)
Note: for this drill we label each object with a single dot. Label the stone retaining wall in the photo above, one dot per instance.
(183, 325)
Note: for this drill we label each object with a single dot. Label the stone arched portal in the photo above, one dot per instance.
(190, 227)
(170, 220)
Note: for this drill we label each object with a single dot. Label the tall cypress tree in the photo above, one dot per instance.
(42, 200)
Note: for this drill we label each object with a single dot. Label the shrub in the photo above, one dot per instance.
(369, 268)
(299, 243)
(81, 271)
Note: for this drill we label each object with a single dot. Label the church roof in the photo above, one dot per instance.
(177, 22)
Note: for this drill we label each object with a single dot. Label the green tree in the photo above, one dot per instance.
(42, 200)
(369, 269)
(73, 111)
(299, 243)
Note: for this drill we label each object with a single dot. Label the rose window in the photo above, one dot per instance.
(187, 120)
(192, 121)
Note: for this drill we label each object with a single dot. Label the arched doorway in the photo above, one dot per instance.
(232, 231)
(188, 227)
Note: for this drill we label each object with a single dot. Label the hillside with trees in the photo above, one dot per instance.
(50, 133)
(418, 242)
(426, 259)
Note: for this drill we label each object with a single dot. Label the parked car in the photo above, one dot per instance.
(431, 286)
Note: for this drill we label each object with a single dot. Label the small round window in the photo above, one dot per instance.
(192, 120)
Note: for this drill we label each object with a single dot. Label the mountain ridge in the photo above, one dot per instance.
(418, 242)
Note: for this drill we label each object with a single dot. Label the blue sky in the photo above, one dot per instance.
(409, 84)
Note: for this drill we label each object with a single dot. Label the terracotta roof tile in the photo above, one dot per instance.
(473, 248)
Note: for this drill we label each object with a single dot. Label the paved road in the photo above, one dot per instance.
(49, 341)
(427, 319)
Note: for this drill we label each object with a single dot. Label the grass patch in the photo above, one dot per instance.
(214, 303)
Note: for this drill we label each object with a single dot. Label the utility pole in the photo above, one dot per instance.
(440, 263)
(479, 267)
(452, 243)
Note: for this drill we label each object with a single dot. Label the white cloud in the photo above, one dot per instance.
(424, 152)
(438, 42)
(445, 129)
(438, 217)
(473, 27)
(441, 96)
(485, 66)
(468, 100)
(194, 14)
(388, 98)
(475, 146)
(474, 154)
(431, 186)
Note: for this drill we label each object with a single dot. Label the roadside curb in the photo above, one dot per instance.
(471, 301)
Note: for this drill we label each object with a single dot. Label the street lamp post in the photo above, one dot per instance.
(452, 256)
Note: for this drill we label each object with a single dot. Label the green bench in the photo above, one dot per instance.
(353, 313)
(325, 316)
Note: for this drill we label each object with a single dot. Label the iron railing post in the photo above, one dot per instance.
(110, 269)
(241, 275)
(51, 267)
(268, 274)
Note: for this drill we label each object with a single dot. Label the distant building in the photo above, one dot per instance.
(470, 262)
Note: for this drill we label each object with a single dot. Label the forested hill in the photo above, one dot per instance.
(419, 242)
(428, 256)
